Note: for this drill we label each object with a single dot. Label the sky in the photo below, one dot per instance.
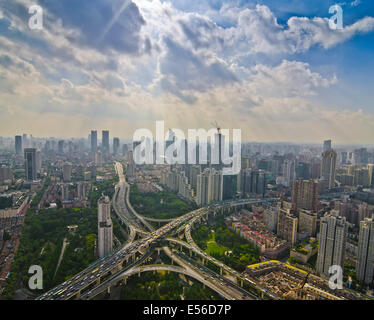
(272, 68)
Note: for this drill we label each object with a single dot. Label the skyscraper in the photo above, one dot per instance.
(327, 146)
(287, 223)
(303, 170)
(93, 142)
(289, 172)
(307, 222)
(305, 194)
(365, 256)
(215, 186)
(61, 147)
(328, 167)
(105, 227)
(371, 175)
(25, 140)
(105, 142)
(116, 146)
(202, 187)
(18, 145)
(229, 186)
(332, 241)
(125, 149)
(30, 164)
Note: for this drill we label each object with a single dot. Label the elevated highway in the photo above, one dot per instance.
(117, 265)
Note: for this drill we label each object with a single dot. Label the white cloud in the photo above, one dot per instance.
(191, 76)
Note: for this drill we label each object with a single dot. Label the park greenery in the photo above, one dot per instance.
(5, 202)
(41, 243)
(225, 245)
(158, 205)
(42, 239)
(164, 286)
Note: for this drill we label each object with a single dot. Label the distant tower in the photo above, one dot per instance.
(18, 145)
(25, 140)
(327, 146)
(93, 142)
(105, 227)
(125, 149)
(61, 147)
(116, 143)
(328, 167)
(105, 142)
(30, 164)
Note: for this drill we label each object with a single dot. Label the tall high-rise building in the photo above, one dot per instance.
(371, 175)
(93, 142)
(327, 146)
(287, 223)
(18, 145)
(202, 188)
(365, 256)
(332, 241)
(215, 187)
(61, 146)
(131, 165)
(271, 219)
(361, 157)
(307, 222)
(38, 161)
(30, 164)
(105, 227)
(67, 169)
(125, 149)
(218, 146)
(116, 143)
(251, 182)
(289, 172)
(328, 167)
(98, 159)
(229, 186)
(65, 192)
(105, 142)
(25, 141)
(305, 194)
(303, 170)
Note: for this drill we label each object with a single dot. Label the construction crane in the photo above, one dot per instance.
(215, 124)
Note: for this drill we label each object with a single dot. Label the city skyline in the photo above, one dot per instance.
(278, 73)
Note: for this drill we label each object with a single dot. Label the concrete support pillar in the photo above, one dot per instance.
(78, 294)
(190, 253)
(241, 283)
(221, 271)
(108, 290)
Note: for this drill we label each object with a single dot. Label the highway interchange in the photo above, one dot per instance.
(115, 267)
